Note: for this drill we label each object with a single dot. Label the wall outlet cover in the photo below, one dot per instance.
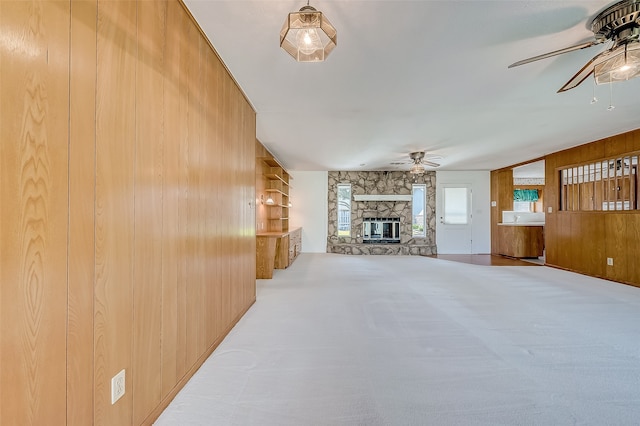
(117, 387)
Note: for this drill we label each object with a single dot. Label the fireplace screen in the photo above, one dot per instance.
(381, 230)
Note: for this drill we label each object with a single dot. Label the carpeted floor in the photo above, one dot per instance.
(410, 340)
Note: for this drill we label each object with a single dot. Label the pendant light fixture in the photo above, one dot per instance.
(307, 35)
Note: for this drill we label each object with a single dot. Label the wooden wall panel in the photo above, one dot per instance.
(617, 247)
(115, 145)
(247, 291)
(210, 200)
(82, 170)
(193, 343)
(149, 177)
(633, 241)
(592, 233)
(189, 49)
(502, 194)
(34, 198)
(173, 310)
(230, 119)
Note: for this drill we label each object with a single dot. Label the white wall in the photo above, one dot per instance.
(308, 196)
(480, 204)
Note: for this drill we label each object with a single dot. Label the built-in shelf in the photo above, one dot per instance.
(276, 191)
(382, 197)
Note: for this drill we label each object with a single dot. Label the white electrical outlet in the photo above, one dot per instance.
(610, 261)
(117, 387)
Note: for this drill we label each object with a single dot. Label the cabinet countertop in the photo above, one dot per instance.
(276, 234)
(521, 224)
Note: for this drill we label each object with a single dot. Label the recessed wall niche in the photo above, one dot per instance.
(381, 183)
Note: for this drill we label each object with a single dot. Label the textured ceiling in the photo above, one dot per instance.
(420, 75)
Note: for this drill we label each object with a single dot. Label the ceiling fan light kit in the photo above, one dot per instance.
(619, 24)
(624, 64)
(419, 162)
(307, 35)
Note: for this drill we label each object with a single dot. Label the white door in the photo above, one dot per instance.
(453, 225)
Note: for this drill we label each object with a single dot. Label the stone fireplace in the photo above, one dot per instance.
(381, 213)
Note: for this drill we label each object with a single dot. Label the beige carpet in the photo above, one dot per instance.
(395, 340)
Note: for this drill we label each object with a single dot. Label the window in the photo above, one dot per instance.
(456, 209)
(418, 204)
(344, 209)
(523, 199)
(522, 206)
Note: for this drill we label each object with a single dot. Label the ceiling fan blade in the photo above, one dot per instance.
(555, 53)
(586, 71)
(430, 163)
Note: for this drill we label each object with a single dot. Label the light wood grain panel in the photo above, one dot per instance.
(189, 51)
(616, 246)
(230, 119)
(247, 287)
(633, 240)
(193, 342)
(494, 212)
(209, 191)
(149, 176)
(564, 239)
(502, 190)
(591, 233)
(82, 154)
(34, 210)
(550, 202)
(115, 144)
(174, 126)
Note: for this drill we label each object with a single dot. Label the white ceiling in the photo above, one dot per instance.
(420, 75)
(534, 169)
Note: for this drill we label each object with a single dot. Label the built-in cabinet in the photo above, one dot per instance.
(521, 241)
(277, 244)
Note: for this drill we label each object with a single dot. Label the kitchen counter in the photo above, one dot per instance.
(521, 224)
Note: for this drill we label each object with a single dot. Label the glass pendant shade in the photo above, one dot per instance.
(417, 169)
(307, 35)
(624, 64)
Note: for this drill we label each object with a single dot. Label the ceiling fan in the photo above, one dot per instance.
(419, 162)
(619, 24)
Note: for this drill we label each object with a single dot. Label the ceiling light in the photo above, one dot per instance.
(417, 169)
(307, 35)
(623, 64)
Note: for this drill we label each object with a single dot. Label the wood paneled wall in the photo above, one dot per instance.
(127, 188)
(502, 196)
(581, 241)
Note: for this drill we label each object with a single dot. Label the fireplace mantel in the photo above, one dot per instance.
(382, 197)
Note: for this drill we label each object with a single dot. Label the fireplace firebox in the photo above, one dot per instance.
(378, 230)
